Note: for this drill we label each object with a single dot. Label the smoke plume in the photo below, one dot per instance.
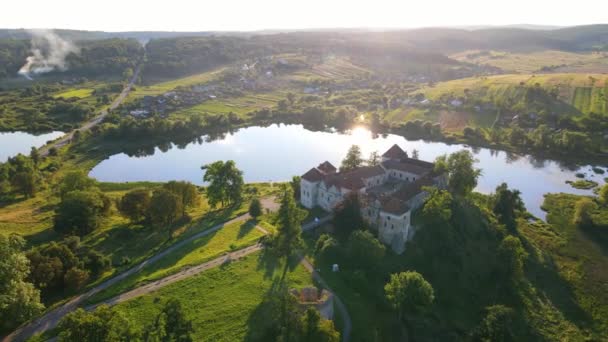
(48, 53)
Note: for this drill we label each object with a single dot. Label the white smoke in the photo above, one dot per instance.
(48, 53)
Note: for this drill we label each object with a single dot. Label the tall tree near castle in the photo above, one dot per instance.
(225, 183)
(459, 167)
(289, 234)
(352, 160)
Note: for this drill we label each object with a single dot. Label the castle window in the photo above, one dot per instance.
(385, 223)
(388, 218)
(392, 226)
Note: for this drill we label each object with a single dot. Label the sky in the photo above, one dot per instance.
(250, 15)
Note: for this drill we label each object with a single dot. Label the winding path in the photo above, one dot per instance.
(44, 151)
(51, 319)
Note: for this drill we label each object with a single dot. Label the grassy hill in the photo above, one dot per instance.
(575, 93)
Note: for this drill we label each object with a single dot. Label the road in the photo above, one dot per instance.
(50, 319)
(44, 151)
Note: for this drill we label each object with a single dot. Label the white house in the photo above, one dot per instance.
(389, 192)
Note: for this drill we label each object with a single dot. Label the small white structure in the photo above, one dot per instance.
(335, 268)
(456, 103)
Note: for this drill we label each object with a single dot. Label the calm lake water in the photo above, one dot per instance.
(278, 152)
(13, 143)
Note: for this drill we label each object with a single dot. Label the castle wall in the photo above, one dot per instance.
(308, 193)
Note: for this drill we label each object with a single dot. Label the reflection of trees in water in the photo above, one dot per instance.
(475, 149)
(511, 157)
(537, 162)
(493, 152)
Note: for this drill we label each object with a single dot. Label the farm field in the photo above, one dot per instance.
(533, 62)
(221, 302)
(585, 92)
(238, 105)
(78, 93)
(165, 86)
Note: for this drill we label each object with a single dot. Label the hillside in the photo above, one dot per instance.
(572, 93)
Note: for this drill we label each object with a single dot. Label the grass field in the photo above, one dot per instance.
(78, 93)
(220, 302)
(239, 105)
(163, 87)
(335, 68)
(198, 251)
(535, 61)
(581, 259)
(585, 92)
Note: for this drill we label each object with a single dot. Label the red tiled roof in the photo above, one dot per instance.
(395, 152)
(353, 180)
(326, 167)
(395, 206)
(313, 175)
(408, 166)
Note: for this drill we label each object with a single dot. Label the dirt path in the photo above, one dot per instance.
(348, 325)
(51, 319)
(181, 275)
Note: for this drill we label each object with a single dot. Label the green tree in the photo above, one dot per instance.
(165, 207)
(437, 206)
(511, 256)
(171, 325)
(352, 160)
(255, 208)
(187, 191)
(75, 180)
(365, 250)
(295, 186)
(415, 154)
(583, 210)
(134, 204)
(104, 324)
(347, 215)
(459, 167)
(225, 183)
(316, 329)
(495, 326)
(374, 159)
(327, 247)
(506, 204)
(80, 212)
(75, 278)
(289, 233)
(35, 156)
(409, 293)
(19, 299)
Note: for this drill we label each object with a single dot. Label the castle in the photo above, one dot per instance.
(389, 192)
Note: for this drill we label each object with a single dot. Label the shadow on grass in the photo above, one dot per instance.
(546, 283)
(263, 323)
(246, 227)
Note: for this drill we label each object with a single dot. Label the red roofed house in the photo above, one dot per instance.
(389, 192)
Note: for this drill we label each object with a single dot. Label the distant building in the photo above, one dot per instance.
(389, 192)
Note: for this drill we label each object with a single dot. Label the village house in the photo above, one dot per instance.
(389, 192)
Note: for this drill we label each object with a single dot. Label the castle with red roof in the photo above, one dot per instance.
(389, 192)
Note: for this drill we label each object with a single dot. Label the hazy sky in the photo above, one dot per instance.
(244, 15)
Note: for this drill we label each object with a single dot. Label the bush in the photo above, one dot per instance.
(255, 208)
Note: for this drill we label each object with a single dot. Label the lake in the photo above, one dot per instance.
(13, 143)
(278, 152)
